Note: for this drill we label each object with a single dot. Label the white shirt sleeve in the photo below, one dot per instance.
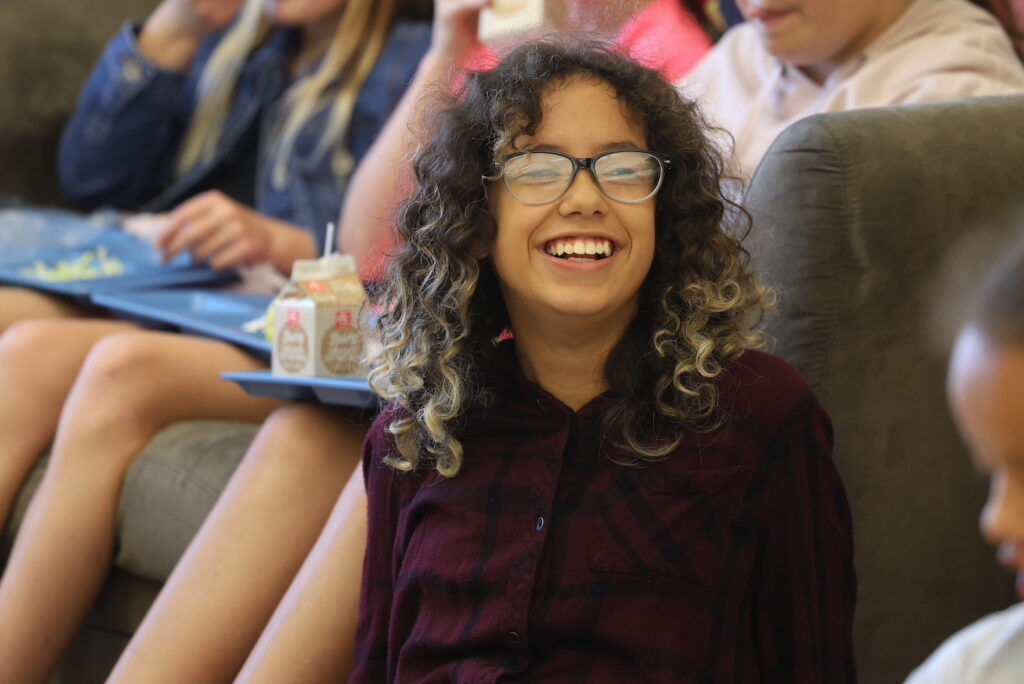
(990, 651)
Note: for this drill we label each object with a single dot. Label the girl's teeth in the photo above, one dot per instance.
(601, 248)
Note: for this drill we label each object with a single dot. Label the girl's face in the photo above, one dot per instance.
(302, 12)
(818, 35)
(581, 118)
(986, 393)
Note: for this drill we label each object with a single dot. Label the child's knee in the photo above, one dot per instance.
(30, 341)
(296, 419)
(340, 426)
(320, 438)
(126, 368)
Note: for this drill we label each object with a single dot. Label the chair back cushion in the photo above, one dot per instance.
(856, 216)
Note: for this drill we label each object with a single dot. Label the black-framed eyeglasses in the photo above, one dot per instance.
(629, 176)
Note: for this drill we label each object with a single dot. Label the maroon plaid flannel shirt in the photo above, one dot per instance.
(729, 561)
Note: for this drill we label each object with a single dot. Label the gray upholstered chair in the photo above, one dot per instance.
(856, 215)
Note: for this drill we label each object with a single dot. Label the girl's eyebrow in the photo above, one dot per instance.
(610, 147)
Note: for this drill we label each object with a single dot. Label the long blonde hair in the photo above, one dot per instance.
(360, 37)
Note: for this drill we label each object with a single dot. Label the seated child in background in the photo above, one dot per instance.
(623, 491)
(819, 56)
(215, 111)
(99, 390)
(986, 394)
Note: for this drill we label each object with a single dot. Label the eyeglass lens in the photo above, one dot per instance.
(541, 177)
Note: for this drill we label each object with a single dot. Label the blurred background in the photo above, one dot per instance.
(47, 49)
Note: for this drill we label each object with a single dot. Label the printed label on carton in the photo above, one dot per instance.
(292, 348)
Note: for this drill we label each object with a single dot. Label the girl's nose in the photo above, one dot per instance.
(584, 197)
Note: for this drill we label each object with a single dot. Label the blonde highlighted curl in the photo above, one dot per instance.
(699, 305)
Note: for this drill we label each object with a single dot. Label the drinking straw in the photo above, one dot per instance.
(329, 240)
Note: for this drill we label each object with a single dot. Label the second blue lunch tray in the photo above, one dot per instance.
(353, 392)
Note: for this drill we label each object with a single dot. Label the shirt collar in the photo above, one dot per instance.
(517, 392)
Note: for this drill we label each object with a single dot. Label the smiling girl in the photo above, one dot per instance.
(623, 491)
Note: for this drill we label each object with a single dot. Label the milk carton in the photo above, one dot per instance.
(520, 19)
(317, 330)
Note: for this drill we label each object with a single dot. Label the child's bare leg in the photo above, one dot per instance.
(39, 361)
(17, 304)
(248, 550)
(130, 387)
(311, 636)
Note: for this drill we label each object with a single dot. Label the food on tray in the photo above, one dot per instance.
(89, 265)
(268, 323)
(264, 323)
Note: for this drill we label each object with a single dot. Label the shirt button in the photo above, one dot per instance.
(513, 638)
(131, 70)
(540, 524)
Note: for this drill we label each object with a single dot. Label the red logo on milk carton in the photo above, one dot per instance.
(292, 320)
(342, 319)
(316, 286)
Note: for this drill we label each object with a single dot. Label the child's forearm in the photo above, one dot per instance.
(383, 178)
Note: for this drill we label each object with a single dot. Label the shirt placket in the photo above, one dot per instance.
(535, 527)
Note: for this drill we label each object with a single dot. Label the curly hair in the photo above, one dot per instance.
(698, 306)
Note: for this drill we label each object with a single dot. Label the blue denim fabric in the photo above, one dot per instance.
(316, 191)
(120, 146)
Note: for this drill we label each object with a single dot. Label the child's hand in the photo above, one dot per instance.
(216, 229)
(200, 17)
(173, 32)
(455, 28)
